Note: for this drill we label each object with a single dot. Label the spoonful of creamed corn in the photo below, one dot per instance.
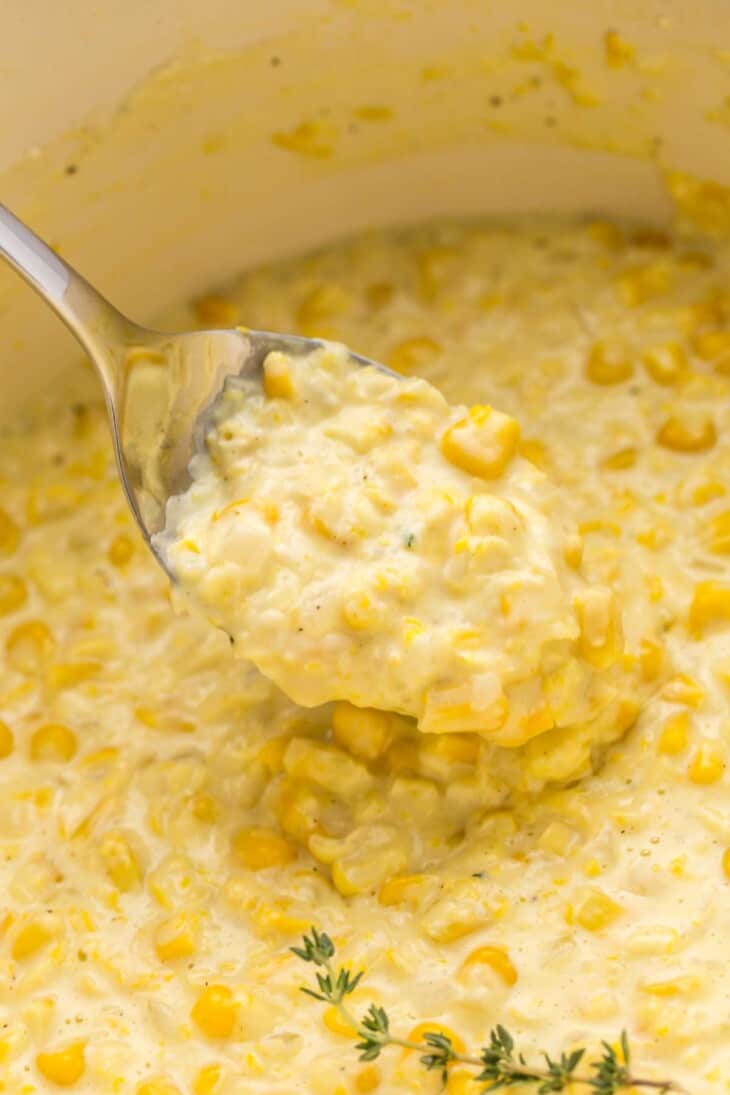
(359, 539)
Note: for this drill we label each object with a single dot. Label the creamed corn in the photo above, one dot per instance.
(171, 823)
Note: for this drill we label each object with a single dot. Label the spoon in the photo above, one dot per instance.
(159, 388)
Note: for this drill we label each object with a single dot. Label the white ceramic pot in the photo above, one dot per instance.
(163, 145)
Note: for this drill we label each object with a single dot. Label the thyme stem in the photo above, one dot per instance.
(499, 1063)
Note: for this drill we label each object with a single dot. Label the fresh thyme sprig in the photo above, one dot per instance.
(499, 1063)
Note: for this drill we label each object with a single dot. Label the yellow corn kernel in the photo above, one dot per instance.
(401, 889)
(177, 937)
(710, 605)
(592, 869)
(361, 862)
(618, 51)
(498, 961)
(487, 515)
(651, 659)
(726, 863)
(595, 910)
(28, 645)
(7, 741)
(685, 690)
(674, 986)
(214, 1012)
(422, 1029)
(713, 346)
(298, 809)
(643, 283)
(207, 1080)
(707, 764)
(413, 354)
(216, 311)
(601, 641)
(170, 723)
(157, 1085)
(461, 1082)
(608, 363)
(9, 534)
(13, 593)
(606, 528)
(349, 884)
(278, 382)
(360, 611)
(717, 538)
(654, 587)
(483, 443)
(69, 674)
(204, 807)
(653, 939)
(620, 460)
(666, 365)
(53, 742)
(364, 731)
(270, 920)
(270, 511)
(367, 1079)
(259, 849)
(63, 1067)
(656, 536)
(573, 550)
(337, 1024)
(120, 862)
(120, 550)
(32, 935)
(449, 709)
(688, 436)
(453, 749)
(708, 491)
(678, 866)
(674, 735)
(271, 753)
(451, 929)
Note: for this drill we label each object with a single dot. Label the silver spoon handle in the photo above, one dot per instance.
(96, 323)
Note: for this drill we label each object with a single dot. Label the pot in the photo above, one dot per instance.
(164, 148)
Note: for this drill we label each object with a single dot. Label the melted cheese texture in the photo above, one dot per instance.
(361, 540)
(171, 822)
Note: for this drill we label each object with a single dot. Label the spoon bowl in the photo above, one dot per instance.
(159, 388)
